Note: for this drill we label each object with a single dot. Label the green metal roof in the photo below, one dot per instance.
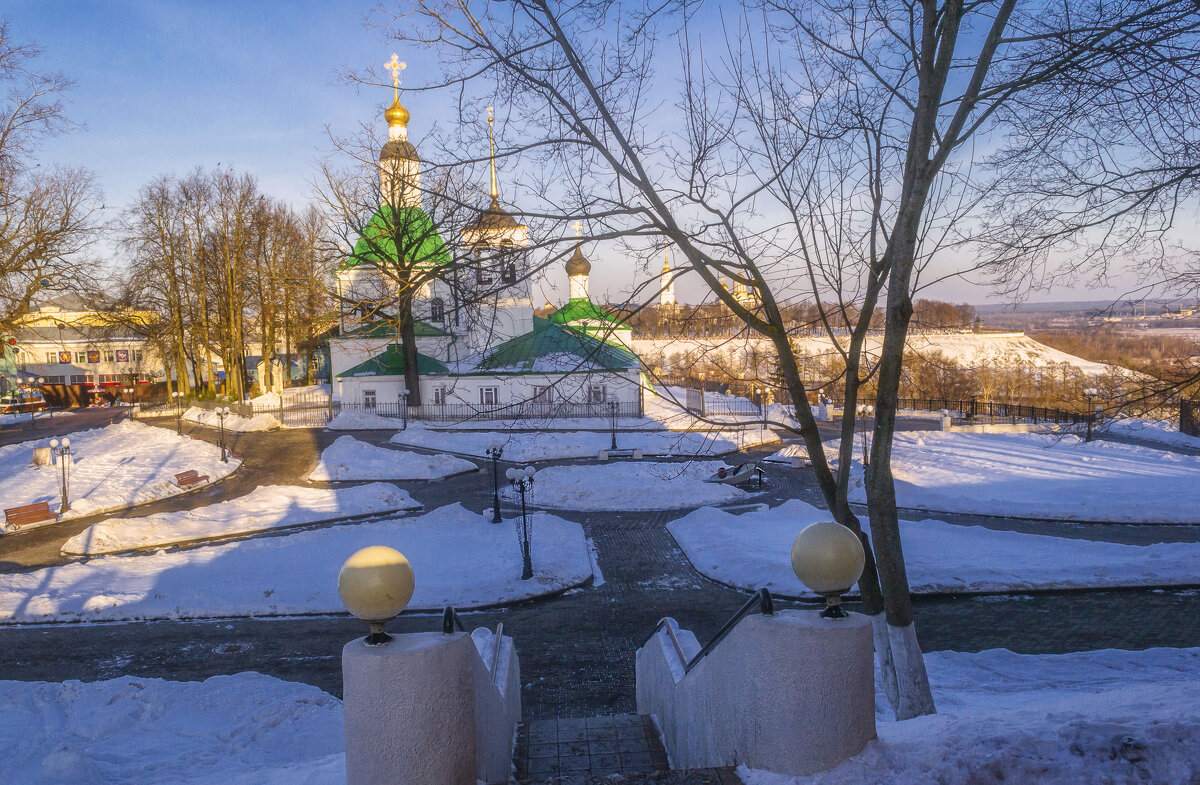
(391, 363)
(578, 309)
(419, 240)
(544, 349)
(385, 328)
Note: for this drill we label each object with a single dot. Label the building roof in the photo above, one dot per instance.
(386, 328)
(390, 362)
(420, 242)
(494, 217)
(399, 149)
(580, 309)
(72, 333)
(552, 348)
(578, 263)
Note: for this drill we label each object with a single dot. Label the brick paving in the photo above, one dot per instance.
(577, 649)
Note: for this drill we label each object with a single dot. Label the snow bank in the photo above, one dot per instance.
(557, 445)
(1109, 716)
(233, 422)
(349, 459)
(753, 550)
(112, 468)
(1032, 475)
(459, 558)
(351, 420)
(1151, 431)
(227, 730)
(266, 507)
(628, 486)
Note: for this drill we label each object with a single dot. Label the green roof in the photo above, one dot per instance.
(579, 308)
(391, 363)
(420, 241)
(385, 328)
(552, 348)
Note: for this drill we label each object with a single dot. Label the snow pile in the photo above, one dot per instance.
(233, 422)
(352, 420)
(1034, 475)
(525, 446)
(271, 400)
(628, 486)
(247, 728)
(349, 459)
(266, 507)
(1151, 431)
(112, 468)
(460, 558)
(1109, 716)
(753, 550)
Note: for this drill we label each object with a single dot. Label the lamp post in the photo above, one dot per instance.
(33, 412)
(828, 558)
(973, 397)
(613, 406)
(494, 451)
(402, 403)
(1090, 393)
(222, 412)
(177, 400)
(375, 584)
(62, 452)
(522, 480)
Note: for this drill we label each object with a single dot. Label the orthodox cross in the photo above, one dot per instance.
(578, 227)
(395, 66)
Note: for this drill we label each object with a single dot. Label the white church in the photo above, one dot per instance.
(492, 358)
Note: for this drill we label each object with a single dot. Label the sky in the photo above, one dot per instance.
(165, 86)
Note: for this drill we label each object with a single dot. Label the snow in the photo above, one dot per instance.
(266, 507)
(233, 422)
(351, 420)
(1033, 475)
(349, 459)
(753, 550)
(1109, 716)
(633, 485)
(226, 730)
(1151, 431)
(460, 558)
(112, 468)
(17, 418)
(525, 446)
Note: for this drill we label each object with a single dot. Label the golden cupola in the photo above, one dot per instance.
(396, 114)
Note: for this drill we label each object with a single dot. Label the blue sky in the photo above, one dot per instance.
(164, 86)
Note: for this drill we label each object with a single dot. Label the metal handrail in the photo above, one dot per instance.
(496, 651)
(761, 602)
(450, 620)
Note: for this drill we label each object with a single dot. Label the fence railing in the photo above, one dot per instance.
(461, 412)
(1011, 412)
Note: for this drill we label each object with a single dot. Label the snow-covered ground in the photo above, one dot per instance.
(349, 459)
(226, 730)
(460, 558)
(233, 422)
(1034, 475)
(351, 420)
(112, 468)
(1109, 716)
(527, 446)
(753, 550)
(45, 415)
(1151, 431)
(634, 485)
(266, 507)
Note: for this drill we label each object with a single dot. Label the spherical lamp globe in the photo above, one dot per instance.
(375, 584)
(828, 558)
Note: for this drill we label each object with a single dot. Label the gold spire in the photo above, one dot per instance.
(666, 261)
(492, 154)
(396, 114)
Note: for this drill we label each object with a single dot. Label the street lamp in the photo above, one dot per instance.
(62, 453)
(522, 480)
(375, 584)
(494, 451)
(177, 400)
(828, 558)
(1090, 393)
(613, 406)
(222, 412)
(402, 402)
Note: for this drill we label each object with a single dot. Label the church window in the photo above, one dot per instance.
(368, 397)
(437, 309)
(489, 396)
(483, 275)
(509, 273)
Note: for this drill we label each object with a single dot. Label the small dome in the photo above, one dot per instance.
(577, 264)
(494, 217)
(399, 149)
(396, 114)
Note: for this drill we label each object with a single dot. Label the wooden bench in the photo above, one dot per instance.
(30, 513)
(189, 478)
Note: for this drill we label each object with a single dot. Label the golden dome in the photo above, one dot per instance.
(396, 114)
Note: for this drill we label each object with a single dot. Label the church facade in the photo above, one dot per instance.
(480, 351)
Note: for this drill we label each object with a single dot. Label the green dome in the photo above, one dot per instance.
(420, 242)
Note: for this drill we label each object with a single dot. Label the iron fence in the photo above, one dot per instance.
(462, 412)
(994, 411)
